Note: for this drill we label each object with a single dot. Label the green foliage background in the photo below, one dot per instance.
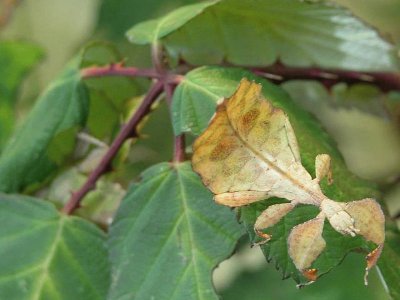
(109, 19)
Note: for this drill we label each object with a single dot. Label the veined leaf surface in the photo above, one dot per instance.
(259, 32)
(167, 237)
(46, 255)
(30, 155)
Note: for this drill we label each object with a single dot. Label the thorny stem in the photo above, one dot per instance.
(129, 130)
(118, 69)
(279, 73)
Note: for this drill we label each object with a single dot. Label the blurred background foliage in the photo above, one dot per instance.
(367, 135)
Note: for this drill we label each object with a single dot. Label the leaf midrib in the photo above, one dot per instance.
(50, 255)
(190, 233)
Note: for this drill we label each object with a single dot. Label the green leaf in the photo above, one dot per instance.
(259, 32)
(337, 245)
(153, 30)
(26, 159)
(167, 237)
(129, 11)
(193, 105)
(16, 59)
(46, 255)
(381, 15)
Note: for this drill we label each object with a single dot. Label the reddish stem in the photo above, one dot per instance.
(179, 148)
(277, 73)
(386, 81)
(129, 130)
(118, 70)
(179, 141)
(169, 92)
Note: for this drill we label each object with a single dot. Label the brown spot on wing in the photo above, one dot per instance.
(248, 120)
(223, 149)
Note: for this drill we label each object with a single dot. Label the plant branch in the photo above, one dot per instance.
(179, 141)
(129, 130)
(279, 73)
(117, 69)
(179, 148)
(169, 92)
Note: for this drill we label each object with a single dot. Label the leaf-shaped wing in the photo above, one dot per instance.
(306, 244)
(368, 218)
(249, 152)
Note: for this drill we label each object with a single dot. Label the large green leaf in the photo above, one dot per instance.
(16, 59)
(259, 32)
(194, 103)
(129, 11)
(45, 255)
(382, 15)
(153, 30)
(167, 237)
(32, 154)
